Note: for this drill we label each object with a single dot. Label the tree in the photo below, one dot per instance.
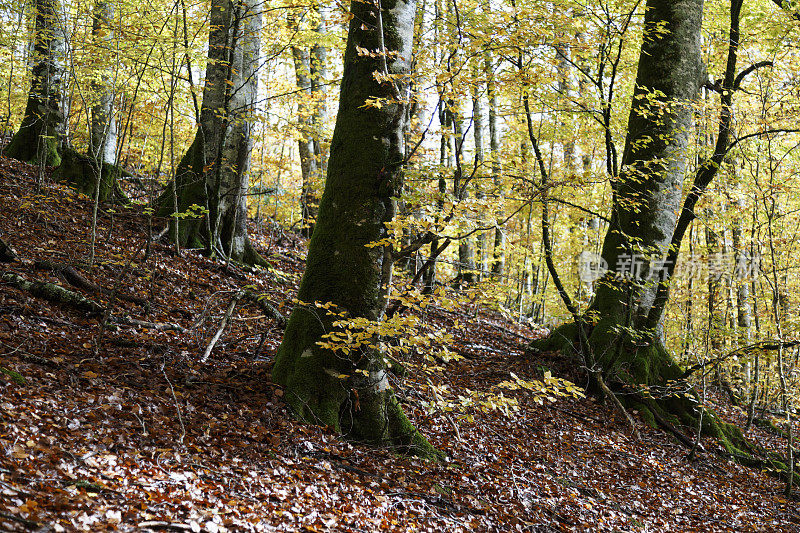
(213, 174)
(40, 134)
(103, 136)
(351, 392)
(310, 71)
(96, 173)
(622, 329)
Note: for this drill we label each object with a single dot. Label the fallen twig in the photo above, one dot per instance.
(225, 319)
(30, 524)
(76, 279)
(158, 326)
(267, 308)
(175, 399)
(156, 524)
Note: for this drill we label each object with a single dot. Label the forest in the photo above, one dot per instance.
(403, 265)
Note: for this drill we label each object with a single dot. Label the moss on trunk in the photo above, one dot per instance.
(647, 379)
(329, 389)
(348, 390)
(191, 187)
(80, 172)
(40, 135)
(198, 205)
(211, 180)
(33, 143)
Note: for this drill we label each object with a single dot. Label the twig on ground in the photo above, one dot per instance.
(30, 524)
(76, 279)
(158, 326)
(174, 399)
(267, 308)
(223, 324)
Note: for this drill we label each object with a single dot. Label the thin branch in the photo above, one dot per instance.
(223, 324)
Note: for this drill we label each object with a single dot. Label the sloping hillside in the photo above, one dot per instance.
(124, 426)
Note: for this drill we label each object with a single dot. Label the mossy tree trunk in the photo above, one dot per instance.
(213, 173)
(648, 221)
(80, 171)
(350, 393)
(646, 198)
(40, 135)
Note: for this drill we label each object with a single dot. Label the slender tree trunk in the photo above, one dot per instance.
(310, 72)
(213, 174)
(744, 315)
(350, 391)
(715, 321)
(308, 162)
(477, 125)
(499, 253)
(445, 126)
(564, 90)
(466, 248)
(319, 76)
(40, 136)
(688, 329)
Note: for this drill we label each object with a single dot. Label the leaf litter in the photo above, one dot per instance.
(130, 432)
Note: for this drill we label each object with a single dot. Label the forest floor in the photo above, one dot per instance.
(126, 429)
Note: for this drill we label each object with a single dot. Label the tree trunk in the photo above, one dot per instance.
(103, 139)
(350, 392)
(319, 75)
(40, 136)
(213, 174)
(466, 248)
(310, 72)
(646, 201)
(477, 125)
(499, 253)
(305, 144)
(83, 171)
(715, 254)
(744, 314)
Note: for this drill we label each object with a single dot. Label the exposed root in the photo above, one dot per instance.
(638, 374)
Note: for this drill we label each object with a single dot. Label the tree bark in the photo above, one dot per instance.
(744, 320)
(350, 392)
(310, 72)
(499, 253)
(213, 174)
(308, 161)
(716, 324)
(646, 199)
(103, 138)
(482, 262)
(40, 136)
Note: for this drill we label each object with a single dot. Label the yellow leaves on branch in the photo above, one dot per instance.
(548, 389)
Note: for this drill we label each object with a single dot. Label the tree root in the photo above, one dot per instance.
(53, 293)
(76, 279)
(652, 366)
(267, 308)
(7, 253)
